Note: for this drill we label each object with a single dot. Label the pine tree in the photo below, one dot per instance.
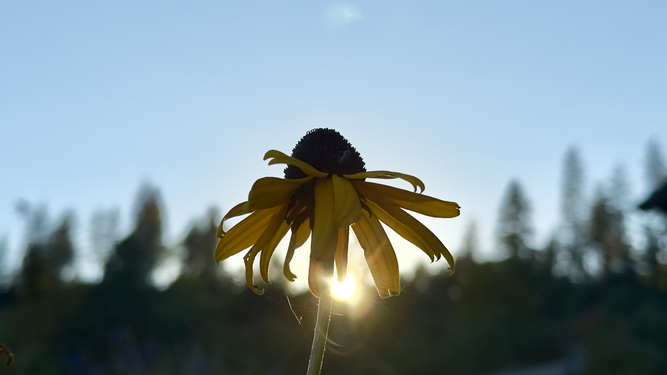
(656, 172)
(103, 234)
(650, 253)
(514, 227)
(608, 237)
(47, 254)
(470, 244)
(655, 225)
(61, 248)
(134, 258)
(573, 208)
(199, 246)
(547, 257)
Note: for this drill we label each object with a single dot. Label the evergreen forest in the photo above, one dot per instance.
(595, 292)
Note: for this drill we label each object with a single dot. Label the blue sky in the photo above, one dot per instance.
(98, 97)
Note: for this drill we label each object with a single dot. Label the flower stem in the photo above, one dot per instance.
(322, 323)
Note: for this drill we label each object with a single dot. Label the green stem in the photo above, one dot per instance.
(322, 323)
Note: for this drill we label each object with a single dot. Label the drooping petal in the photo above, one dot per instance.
(391, 196)
(414, 181)
(402, 229)
(347, 206)
(300, 234)
(244, 234)
(422, 232)
(278, 157)
(248, 260)
(323, 245)
(269, 192)
(268, 250)
(238, 210)
(267, 235)
(341, 253)
(317, 274)
(379, 254)
(315, 277)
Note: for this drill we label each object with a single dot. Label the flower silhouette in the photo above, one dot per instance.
(325, 192)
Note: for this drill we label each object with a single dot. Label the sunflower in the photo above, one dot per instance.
(325, 192)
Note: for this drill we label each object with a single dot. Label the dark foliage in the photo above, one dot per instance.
(531, 308)
(485, 318)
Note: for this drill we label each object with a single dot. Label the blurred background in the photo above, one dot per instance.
(128, 129)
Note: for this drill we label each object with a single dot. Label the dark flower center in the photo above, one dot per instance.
(327, 151)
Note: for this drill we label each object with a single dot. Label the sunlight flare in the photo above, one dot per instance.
(345, 289)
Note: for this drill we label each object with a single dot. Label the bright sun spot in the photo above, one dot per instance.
(345, 289)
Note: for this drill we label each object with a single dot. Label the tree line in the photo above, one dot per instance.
(591, 288)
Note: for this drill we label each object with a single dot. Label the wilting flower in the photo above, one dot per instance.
(324, 192)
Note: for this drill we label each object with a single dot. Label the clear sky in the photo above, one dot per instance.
(97, 97)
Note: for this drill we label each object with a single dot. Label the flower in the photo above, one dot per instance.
(325, 192)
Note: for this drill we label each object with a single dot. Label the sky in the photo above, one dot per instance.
(98, 98)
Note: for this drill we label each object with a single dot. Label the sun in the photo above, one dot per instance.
(345, 289)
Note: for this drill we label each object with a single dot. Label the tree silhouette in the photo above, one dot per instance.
(573, 208)
(134, 258)
(655, 169)
(607, 230)
(470, 245)
(103, 236)
(199, 245)
(655, 225)
(514, 228)
(47, 255)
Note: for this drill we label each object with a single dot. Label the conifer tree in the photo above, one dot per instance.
(199, 246)
(47, 254)
(655, 225)
(650, 253)
(61, 248)
(573, 236)
(134, 258)
(656, 171)
(470, 244)
(548, 256)
(514, 227)
(103, 234)
(608, 237)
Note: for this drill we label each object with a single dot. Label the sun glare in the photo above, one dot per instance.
(345, 289)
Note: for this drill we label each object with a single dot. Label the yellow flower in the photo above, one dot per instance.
(324, 192)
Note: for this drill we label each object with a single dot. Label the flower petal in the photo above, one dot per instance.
(423, 233)
(391, 196)
(278, 157)
(238, 210)
(248, 260)
(402, 229)
(416, 183)
(299, 237)
(268, 250)
(323, 245)
(379, 255)
(271, 191)
(244, 234)
(317, 273)
(315, 277)
(267, 235)
(341, 253)
(347, 209)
